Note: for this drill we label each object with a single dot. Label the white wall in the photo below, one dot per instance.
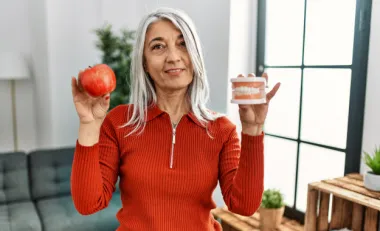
(15, 37)
(371, 130)
(242, 47)
(41, 75)
(71, 46)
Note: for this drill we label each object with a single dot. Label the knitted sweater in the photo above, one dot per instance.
(167, 175)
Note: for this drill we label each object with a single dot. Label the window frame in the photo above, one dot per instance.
(359, 64)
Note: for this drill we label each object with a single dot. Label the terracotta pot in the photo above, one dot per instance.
(270, 219)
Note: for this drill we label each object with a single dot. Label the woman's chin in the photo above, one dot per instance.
(178, 87)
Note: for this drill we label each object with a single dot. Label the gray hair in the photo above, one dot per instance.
(142, 89)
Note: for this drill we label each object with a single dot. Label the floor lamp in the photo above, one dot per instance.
(13, 66)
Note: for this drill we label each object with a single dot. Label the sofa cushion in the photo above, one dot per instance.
(19, 216)
(59, 214)
(14, 182)
(50, 172)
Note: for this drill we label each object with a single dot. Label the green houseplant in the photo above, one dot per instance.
(372, 177)
(272, 209)
(117, 53)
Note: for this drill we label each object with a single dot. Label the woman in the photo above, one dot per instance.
(168, 149)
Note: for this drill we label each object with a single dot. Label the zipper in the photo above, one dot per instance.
(173, 143)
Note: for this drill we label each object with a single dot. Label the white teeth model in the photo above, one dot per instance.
(246, 90)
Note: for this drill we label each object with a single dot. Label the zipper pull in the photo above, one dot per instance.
(173, 140)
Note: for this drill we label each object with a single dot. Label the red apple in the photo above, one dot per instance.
(97, 80)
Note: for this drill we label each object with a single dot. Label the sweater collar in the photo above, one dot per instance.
(154, 111)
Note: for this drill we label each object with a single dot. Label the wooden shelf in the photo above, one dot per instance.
(234, 222)
(352, 204)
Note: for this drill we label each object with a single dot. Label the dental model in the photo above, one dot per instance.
(250, 90)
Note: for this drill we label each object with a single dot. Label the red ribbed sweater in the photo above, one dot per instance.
(166, 185)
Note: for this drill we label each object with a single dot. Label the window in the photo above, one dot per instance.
(318, 50)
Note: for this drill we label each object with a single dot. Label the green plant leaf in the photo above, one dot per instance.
(373, 161)
(117, 53)
(272, 198)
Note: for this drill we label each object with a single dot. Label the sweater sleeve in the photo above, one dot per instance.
(241, 172)
(95, 172)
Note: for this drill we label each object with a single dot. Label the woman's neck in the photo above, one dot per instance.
(176, 105)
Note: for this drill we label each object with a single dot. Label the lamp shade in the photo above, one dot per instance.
(13, 66)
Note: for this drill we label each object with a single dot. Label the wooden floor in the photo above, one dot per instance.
(235, 222)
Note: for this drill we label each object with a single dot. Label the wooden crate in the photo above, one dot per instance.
(235, 222)
(353, 206)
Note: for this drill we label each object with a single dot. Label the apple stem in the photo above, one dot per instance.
(89, 66)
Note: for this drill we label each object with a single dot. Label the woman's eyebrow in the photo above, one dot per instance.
(156, 39)
(162, 39)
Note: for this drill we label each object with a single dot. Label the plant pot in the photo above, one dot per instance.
(372, 181)
(270, 219)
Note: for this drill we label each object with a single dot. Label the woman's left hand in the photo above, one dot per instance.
(253, 116)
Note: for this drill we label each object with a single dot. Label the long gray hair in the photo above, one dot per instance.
(142, 88)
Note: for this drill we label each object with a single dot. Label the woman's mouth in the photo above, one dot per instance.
(174, 71)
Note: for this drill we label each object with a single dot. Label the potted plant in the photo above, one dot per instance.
(116, 51)
(372, 178)
(272, 209)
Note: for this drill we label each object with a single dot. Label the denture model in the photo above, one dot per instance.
(248, 90)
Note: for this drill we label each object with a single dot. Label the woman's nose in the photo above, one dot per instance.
(173, 55)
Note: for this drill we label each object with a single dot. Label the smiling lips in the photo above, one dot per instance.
(174, 71)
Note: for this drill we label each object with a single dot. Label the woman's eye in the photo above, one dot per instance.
(183, 43)
(157, 46)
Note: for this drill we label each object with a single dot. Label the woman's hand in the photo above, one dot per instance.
(253, 116)
(90, 110)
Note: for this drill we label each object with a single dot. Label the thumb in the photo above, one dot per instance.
(105, 101)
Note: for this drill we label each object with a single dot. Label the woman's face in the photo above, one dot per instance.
(166, 58)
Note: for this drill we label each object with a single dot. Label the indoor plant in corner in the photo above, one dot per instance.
(272, 209)
(372, 178)
(116, 49)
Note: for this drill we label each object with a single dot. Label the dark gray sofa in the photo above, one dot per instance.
(35, 194)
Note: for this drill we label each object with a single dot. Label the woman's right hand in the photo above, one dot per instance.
(90, 110)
